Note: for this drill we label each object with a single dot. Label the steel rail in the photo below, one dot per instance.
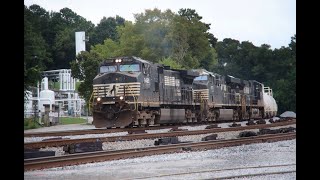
(256, 174)
(213, 170)
(112, 130)
(75, 159)
(62, 142)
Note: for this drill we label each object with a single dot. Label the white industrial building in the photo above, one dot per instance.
(62, 101)
(57, 91)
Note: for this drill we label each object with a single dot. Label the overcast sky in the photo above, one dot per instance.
(270, 22)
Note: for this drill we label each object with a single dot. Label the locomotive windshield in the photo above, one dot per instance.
(106, 69)
(130, 67)
(201, 78)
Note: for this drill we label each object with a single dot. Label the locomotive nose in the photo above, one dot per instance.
(116, 77)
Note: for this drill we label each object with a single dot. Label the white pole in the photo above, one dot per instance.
(68, 81)
(79, 107)
(71, 83)
(64, 80)
(38, 98)
(60, 79)
(62, 75)
(74, 84)
(87, 115)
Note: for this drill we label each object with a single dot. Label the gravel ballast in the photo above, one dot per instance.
(190, 128)
(120, 145)
(264, 154)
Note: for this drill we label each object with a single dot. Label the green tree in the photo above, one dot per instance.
(107, 28)
(227, 50)
(64, 48)
(170, 62)
(152, 27)
(190, 38)
(35, 55)
(284, 82)
(108, 49)
(85, 69)
(274, 68)
(40, 20)
(131, 41)
(63, 25)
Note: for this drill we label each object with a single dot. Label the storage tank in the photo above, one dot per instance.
(46, 95)
(28, 104)
(270, 105)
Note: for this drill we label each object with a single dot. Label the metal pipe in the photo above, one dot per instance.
(38, 98)
(68, 81)
(60, 79)
(74, 84)
(59, 70)
(68, 100)
(47, 99)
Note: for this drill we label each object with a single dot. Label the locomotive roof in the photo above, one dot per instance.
(142, 60)
(129, 57)
(204, 72)
(256, 82)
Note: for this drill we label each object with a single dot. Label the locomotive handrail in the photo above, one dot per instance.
(90, 100)
(135, 100)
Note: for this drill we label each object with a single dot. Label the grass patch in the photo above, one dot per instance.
(72, 120)
(29, 123)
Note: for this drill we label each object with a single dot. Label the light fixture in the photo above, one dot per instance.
(98, 99)
(121, 97)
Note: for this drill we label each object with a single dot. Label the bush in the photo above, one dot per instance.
(29, 123)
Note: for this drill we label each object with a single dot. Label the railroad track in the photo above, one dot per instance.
(227, 169)
(81, 158)
(113, 130)
(256, 174)
(62, 142)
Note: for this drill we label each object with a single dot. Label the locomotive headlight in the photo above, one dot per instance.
(98, 99)
(121, 97)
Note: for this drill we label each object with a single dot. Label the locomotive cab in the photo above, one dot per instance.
(203, 86)
(118, 88)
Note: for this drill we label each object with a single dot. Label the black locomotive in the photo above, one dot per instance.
(129, 91)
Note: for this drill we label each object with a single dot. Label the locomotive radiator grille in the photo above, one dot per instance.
(201, 93)
(116, 89)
